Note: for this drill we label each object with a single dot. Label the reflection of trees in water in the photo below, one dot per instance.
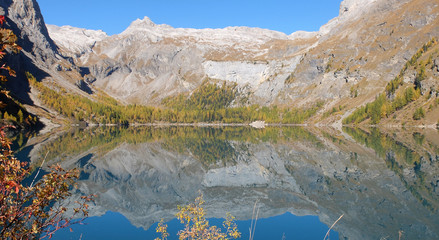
(224, 145)
(412, 163)
(208, 150)
(221, 146)
(210, 145)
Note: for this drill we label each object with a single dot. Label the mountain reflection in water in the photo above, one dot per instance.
(383, 181)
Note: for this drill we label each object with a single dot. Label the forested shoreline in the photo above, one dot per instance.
(210, 103)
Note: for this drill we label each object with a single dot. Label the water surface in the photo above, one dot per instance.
(383, 182)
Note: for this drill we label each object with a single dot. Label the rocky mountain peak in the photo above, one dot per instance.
(145, 25)
(145, 22)
(27, 22)
(39, 52)
(352, 5)
(352, 10)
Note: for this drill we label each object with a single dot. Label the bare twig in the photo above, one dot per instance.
(327, 234)
(254, 221)
(253, 216)
(33, 181)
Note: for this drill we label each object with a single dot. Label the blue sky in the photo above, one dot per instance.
(114, 16)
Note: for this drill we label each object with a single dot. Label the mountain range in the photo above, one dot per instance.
(346, 64)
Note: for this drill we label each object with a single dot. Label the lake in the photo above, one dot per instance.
(385, 182)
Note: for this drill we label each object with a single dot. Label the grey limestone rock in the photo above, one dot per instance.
(436, 64)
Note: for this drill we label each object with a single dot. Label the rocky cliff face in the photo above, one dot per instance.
(148, 62)
(26, 21)
(40, 55)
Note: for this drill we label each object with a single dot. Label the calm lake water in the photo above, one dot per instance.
(384, 182)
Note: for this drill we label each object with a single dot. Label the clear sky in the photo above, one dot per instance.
(114, 16)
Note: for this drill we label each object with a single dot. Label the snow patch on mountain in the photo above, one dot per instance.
(302, 35)
(76, 40)
(225, 36)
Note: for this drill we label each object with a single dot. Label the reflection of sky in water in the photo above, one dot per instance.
(115, 226)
